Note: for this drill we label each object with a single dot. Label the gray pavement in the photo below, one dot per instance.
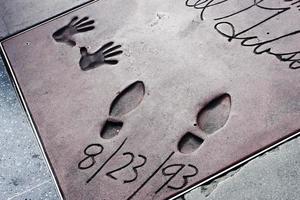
(24, 175)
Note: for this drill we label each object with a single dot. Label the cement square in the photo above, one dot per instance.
(144, 100)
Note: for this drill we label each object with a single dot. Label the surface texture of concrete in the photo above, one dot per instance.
(272, 176)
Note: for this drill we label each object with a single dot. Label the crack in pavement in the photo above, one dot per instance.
(30, 189)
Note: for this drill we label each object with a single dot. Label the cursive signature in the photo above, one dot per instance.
(226, 28)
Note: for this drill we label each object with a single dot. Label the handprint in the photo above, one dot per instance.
(92, 60)
(75, 26)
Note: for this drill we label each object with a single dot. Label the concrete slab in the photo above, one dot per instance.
(290, 164)
(264, 118)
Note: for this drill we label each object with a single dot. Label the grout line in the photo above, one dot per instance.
(26, 191)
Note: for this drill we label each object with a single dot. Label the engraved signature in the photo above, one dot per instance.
(272, 46)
